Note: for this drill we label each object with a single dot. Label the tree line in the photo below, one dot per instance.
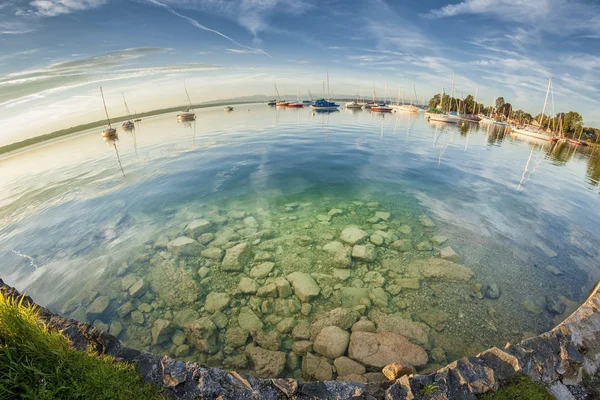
(570, 123)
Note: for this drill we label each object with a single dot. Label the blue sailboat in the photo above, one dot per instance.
(323, 104)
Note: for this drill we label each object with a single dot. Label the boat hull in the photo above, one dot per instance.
(526, 132)
(282, 104)
(324, 107)
(186, 117)
(109, 133)
(381, 109)
(406, 108)
(297, 105)
(451, 119)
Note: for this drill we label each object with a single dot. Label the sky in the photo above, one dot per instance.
(55, 54)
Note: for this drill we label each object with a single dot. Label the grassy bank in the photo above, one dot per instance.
(36, 363)
(519, 387)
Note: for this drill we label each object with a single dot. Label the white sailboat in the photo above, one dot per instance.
(536, 131)
(127, 125)
(109, 133)
(443, 117)
(409, 107)
(188, 114)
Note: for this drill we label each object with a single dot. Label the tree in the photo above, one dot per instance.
(571, 123)
(499, 103)
(505, 109)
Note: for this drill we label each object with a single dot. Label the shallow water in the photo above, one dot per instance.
(78, 233)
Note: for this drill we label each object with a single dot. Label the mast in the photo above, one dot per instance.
(452, 92)
(298, 98)
(385, 95)
(399, 91)
(475, 105)
(277, 91)
(188, 95)
(414, 94)
(126, 108)
(328, 92)
(442, 99)
(545, 102)
(105, 109)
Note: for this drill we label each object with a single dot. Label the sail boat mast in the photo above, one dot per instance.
(545, 102)
(188, 96)
(126, 107)
(475, 105)
(328, 92)
(105, 109)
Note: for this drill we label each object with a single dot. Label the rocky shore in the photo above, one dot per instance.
(559, 359)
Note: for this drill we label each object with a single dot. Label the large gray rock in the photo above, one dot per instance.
(213, 253)
(247, 286)
(262, 270)
(201, 334)
(343, 318)
(437, 268)
(347, 366)
(161, 331)
(267, 363)
(381, 349)
(184, 246)
(184, 316)
(305, 287)
(237, 257)
(98, 306)
(248, 320)
(197, 227)
(448, 253)
(417, 332)
(331, 342)
(351, 296)
(353, 234)
(216, 302)
(366, 253)
(317, 368)
(236, 336)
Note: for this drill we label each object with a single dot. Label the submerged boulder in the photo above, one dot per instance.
(305, 287)
(267, 363)
(437, 268)
(237, 257)
(353, 234)
(381, 349)
(184, 246)
(331, 342)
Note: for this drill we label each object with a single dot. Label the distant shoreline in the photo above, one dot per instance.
(83, 127)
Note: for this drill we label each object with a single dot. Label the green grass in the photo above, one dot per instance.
(429, 389)
(36, 363)
(519, 387)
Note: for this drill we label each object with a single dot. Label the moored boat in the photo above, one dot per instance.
(323, 104)
(407, 108)
(444, 118)
(536, 131)
(128, 125)
(188, 114)
(228, 108)
(469, 118)
(109, 133)
(353, 105)
(272, 102)
(298, 103)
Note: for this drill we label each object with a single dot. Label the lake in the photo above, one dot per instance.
(232, 240)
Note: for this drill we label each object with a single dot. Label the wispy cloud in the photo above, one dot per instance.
(244, 51)
(203, 27)
(52, 8)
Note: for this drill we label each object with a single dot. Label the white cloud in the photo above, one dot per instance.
(52, 8)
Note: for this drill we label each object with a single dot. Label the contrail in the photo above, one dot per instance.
(200, 26)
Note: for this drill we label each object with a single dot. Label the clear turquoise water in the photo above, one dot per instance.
(73, 226)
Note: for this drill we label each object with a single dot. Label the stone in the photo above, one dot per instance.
(425, 246)
(184, 316)
(206, 238)
(317, 368)
(201, 335)
(352, 378)
(347, 366)
(434, 318)
(341, 259)
(216, 302)
(398, 324)
(366, 253)
(115, 328)
(269, 290)
(438, 355)
(100, 325)
(182, 351)
(377, 240)
(284, 289)
(306, 309)
(250, 222)
(364, 326)
(137, 318)
(353, 234)
(439, 240)
(343, 318)
(535, 306)
(197, 227)
(437, 268)
(174, 284)
(379, 298)
(331, 342)
(333, 247)
(270, 340)
(262, 270)
(324, 218)
(305, 287)
(448, 253)
(248, 320)
(237, 257)
(547, 250)
(341, 274)
(267, 363)
(236, 214)
(261, 256)
(128, 280)
(138, 289)
(203, 272)
(184, 246)
(426, 222)
(554, 305)
(145, 307)
(405, 229)
(552, 269)
(374, 279)
(492, 291)
(236, 336)
(381, 349)
(409, 283)
(375, 377)
(286, 325)
(302, 347)
(213, 253)
(178, 338)
(403, 245)
(352, 296)
(98, 306)
(301, 331)
(335, 211)
(382, 215)
(161, 331)
(247, 286)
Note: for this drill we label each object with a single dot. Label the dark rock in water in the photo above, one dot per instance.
(492, 291)
(554, 304)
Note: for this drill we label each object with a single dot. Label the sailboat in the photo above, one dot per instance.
(127, 125)
(470, 117)
(536, 131)
(228, 108)
(188, 114)
(381, 107)
(109, 133)
(298, 103)
(280, 102)
(325, 105)
(442, 116)
(409, 107)
(354, 104)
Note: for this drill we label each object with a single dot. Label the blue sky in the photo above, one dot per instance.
(55, 53)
